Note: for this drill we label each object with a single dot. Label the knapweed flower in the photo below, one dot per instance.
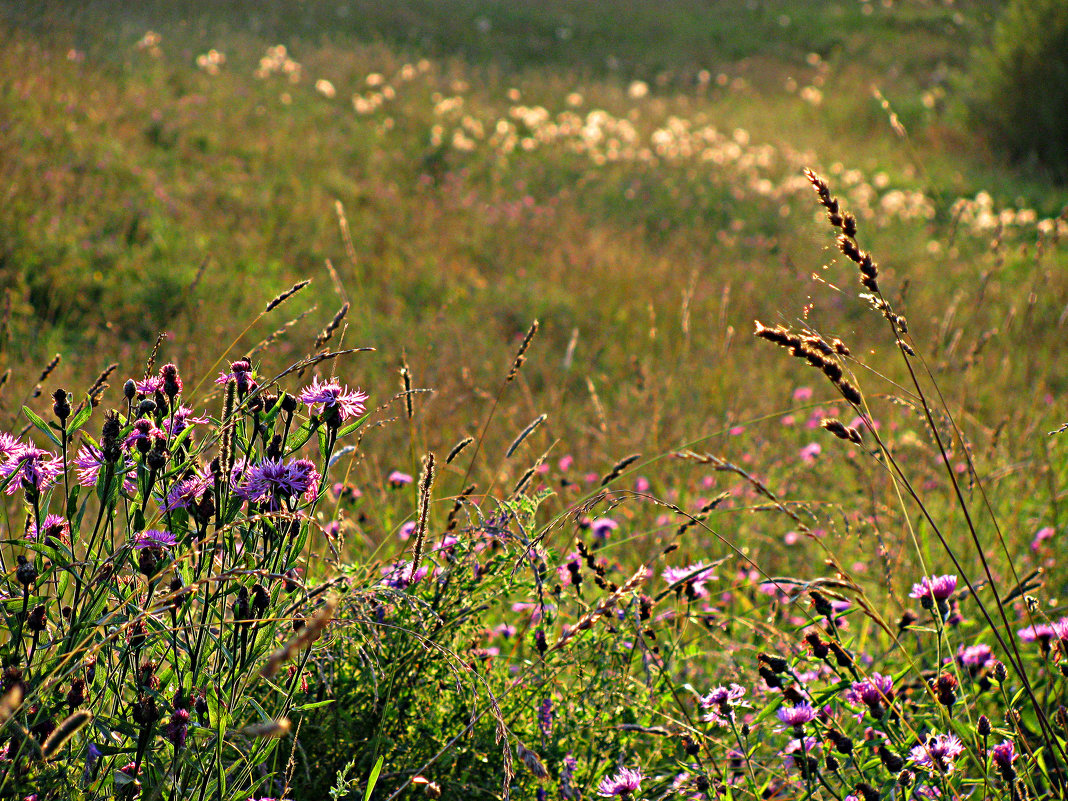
(87, 466)
(54, 527)
(144, 436)
(694, 577)
(30, 468)
(271, 482)
(149, 386)
(186, 493)
(170, 381)
(721, 703)
(397, 479)
(399, 575)
(9, 446)
(974, 657)
(155, 538)
(873, 692)
(545, 717)
(937, 587)
(796, 715)
(602, 527)
(938, 754)
(241, 372)
(336, 403)
(182, 418)
(624, 784)
(1004, 754)
(799, 750)
(1040, 632)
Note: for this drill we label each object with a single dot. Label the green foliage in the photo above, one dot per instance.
(1019, 84)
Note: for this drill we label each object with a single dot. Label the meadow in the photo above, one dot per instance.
(385, 417)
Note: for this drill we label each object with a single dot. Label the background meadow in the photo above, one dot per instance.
(630, 176)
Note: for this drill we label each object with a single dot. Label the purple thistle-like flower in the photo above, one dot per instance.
(938, 753)
(155, 538)
(873, 692)
(183, 418)
(397, 479)
(1041, 632)
(334, 397)
(143, 436)
(241, 372)
(272, 481)
(32, 468)
(545, 716)
(87, 466)
(796, 715)
(177, 728)
(694, 575)
(602, 527)
(974, 657)
(149, 386)
(721, 702)
(9, 446)
(623, 784)
(1004, 754)
(938, 587)
(399, 575)
(54, 527)
(187, 492)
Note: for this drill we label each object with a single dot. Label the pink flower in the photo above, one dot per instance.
(334, 400)
(938, 753)
(938, 587)
(625, 783)
(31, 469)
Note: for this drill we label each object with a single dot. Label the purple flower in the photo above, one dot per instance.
(623, 784)
(271, 482)
(149, 386)
(1042, 632)
(32, 469)
(974, 657)
(937, 587)
(186, 493)
(872, 692)
(144, 436)
(938, 753)
(545, 716)
(181, 420)
(55, 527)
(155, 538)
(722, 702)
(805, 745)
(87, 466)
(796, 715)
(397, 479)
(694, 577)
(335, 399)
(602, 527)
(241, 372)
(1004, 754)
(9, 446)
(399, 575)
(178, 727)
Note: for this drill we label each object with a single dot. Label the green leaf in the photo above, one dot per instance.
(316, 705)
(41, 425)
(299, 437)
(80, 418)
(346, 430)
(372, 780)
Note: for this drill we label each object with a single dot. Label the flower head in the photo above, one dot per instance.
(938, 753)
(623, 784)
(273, 481)
(9, 446)
(55, 527)
(241, 372)
(87, 466)
(693, 577)
(31, 469)
(155, 538)
(722, 702)
(144, 436)
(796, 715)
(187, 492)
(937, 587)
(182, 418)
(873, 692)
(1004, 754)
(334, 399)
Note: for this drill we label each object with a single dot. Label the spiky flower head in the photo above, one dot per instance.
(624, 784)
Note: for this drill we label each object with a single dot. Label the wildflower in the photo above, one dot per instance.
(187, 493)
(155, 538)
(55, 527)
(694, 577)
(32, 469)
(144, 436)
(624, 784)
(796, 716)
(872, 692)
(1041, 632)
(181, 420)
(241, 372)
(545, 716)
(1004, 754)
(9, 446)
(938, 753)
(1041, 536)
(805, 746)
(271, 482)
(399, 575)
(974, 657)
(722, 702)
(338, 402)
(170, 380)
(87, 466)
(570, 572)
(148, 386)
(937, 587)
(602, 527)
(397, 479)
